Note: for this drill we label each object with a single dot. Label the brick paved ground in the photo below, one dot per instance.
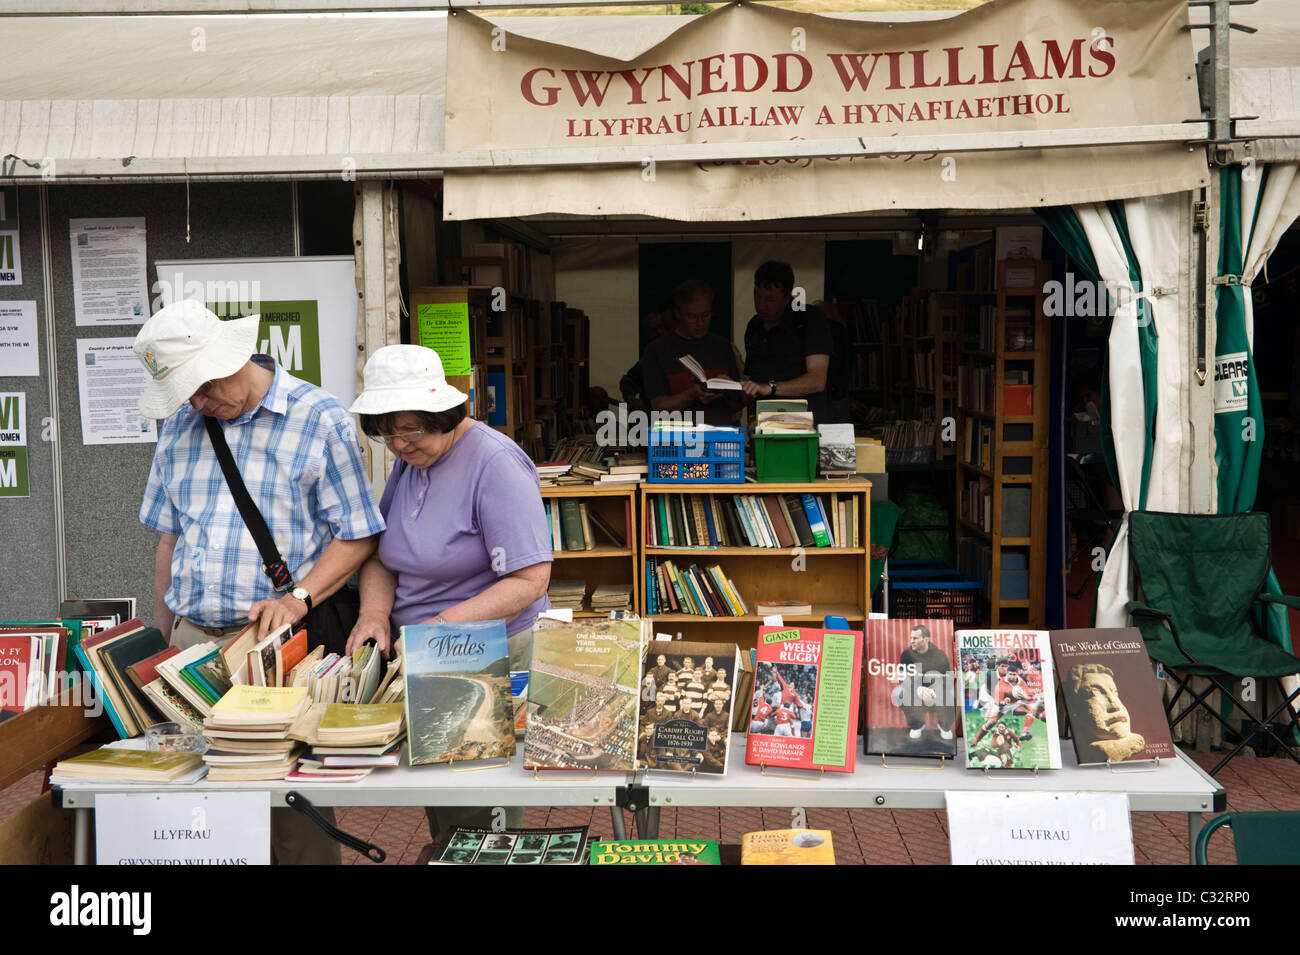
(874, 836)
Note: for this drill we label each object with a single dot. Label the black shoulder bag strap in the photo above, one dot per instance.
(272, 563)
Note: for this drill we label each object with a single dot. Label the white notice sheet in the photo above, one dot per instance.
(110, 379)
(109, 277)
(18, 351)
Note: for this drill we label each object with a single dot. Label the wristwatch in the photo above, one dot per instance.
(771, 389)
(301, 594)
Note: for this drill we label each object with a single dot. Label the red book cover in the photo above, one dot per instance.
(146, 671)
(910, 688)
(774, 515)
(804, 710)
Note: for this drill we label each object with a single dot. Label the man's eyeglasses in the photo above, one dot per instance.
(407, 436)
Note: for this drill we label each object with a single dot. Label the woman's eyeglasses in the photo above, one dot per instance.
(407, 436)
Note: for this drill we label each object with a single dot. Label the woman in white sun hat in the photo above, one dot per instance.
(466, 537)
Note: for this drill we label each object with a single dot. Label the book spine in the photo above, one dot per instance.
(826, 521)
(800, 518)
(571, 521)
(739, 505)
(588, 538)
(698, 592)
(98, 686)
(705, 586)
(815, 522)
(661, 510)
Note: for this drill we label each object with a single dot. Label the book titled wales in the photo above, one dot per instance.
(457, 691)
(804, 710)
(1009, 702)
(910, 688)
(1112, 697)
(583, 695)
(472, 846)
(686, 703)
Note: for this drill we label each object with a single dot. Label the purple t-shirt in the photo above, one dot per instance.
(447, 523)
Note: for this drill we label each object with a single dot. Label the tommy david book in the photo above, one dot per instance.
(910, 688)
(583, 694)
(1112, 696)
(1009, 702)
(656, 852)
(686, 704)
(804, 708)
(457, 691)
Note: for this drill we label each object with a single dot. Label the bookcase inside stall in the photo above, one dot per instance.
(1003, 389)
(602, 562)
(834, 580)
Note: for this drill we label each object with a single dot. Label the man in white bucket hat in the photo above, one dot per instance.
(296, 449)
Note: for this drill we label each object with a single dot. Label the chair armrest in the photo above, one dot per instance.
(1139, 610)
(1292, 602)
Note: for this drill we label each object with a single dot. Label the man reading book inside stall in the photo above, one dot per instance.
(693, 370)
(787, 349)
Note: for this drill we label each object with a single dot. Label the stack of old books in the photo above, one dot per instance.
(609, 597)
(784, 416)
(567, 594)
(129, 765)
(249, 733)
(628, 467)
(348, 741)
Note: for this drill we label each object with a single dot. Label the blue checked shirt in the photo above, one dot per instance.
(300, 458)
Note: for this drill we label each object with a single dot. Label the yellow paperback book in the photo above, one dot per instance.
(787, 847)
(267, 701)
(128, 764)
(362, 716)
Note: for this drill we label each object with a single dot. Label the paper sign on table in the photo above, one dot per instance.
(1039, 828)
(193, 828)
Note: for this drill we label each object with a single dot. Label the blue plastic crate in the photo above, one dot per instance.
(692, 457)
(955, 600)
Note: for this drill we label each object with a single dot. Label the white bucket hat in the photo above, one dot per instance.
(405, 378)
(185, 345)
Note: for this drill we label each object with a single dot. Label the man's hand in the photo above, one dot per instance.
(371, 625)
(274, 614)
(756, 389)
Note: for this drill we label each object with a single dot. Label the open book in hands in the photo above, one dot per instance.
(714, 384)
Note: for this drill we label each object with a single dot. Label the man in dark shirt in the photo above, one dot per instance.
(787, 353)
(930, 688)
(669, 386)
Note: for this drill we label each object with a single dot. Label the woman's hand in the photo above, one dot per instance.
(371, 625)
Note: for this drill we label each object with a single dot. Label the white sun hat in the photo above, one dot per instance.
(183, 346)
(406, 378)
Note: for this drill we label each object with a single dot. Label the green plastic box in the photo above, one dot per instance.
(786, 458)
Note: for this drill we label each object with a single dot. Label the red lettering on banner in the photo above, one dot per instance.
(527, 88)
(760, 66)
(954, 67)
(863, 80)
(708, 74)
(1055, 64)
(591, 91)
(1020, 60)
(668, 75)
(1099, 52)
(782, 72)
(918, 70)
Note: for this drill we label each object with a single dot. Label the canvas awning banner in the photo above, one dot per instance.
(754, 74)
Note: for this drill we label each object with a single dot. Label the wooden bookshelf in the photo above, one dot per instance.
(43, 734)
(835, 580)
(604, 563)
(1005, 335)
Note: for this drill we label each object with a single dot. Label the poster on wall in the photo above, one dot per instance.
(109, 273)
(110, 380)
(19, 355)
(11, 260)
(304, 303)
(13, 444)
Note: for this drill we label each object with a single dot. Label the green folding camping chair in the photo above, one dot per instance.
(1259, 838)
(1202, 579)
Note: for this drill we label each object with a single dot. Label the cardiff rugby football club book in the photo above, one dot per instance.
(457, 691)
(1009, 699)
(656, 852)
(583, 694)
(686, 704)
(910, 685)
(1112, 697)
(472, 846)
(804, 709)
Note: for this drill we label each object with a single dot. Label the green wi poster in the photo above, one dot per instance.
(13, 444)
(444, 327)
(289, 332)
(11, 263)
